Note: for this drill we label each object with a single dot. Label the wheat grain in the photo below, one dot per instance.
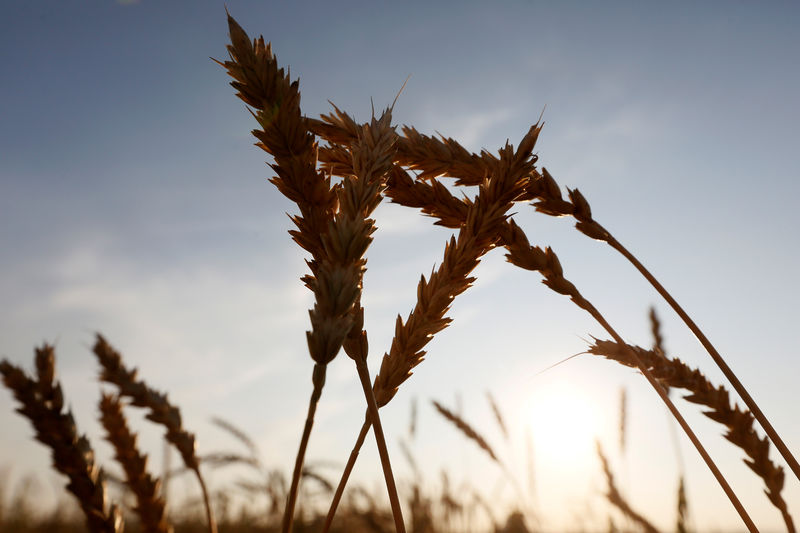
(434, 157)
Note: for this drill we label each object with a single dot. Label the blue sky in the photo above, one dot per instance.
(132, 202)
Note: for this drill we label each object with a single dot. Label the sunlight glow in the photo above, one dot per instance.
(564, 424)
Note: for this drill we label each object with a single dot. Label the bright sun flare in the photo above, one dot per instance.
(564, 424)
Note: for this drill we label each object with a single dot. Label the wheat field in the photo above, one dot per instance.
(448, 271)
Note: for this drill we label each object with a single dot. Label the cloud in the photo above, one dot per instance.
(470, 129)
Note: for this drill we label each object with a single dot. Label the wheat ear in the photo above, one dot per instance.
(160, 411)
(479, 233)
(42, 403)
(675, 373)
(468, 431)
(550, 201)
(615, 498)
(262, 85)
(485, 217)
(149, 502)
(523, 255)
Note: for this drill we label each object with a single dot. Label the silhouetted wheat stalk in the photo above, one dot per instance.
(42, 403)
(334, 225)
(159, 410)
(150, 505)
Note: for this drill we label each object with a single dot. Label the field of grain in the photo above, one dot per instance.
(486, 445)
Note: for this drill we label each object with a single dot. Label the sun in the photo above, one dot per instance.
(564, 424)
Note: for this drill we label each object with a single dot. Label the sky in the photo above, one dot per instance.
(133, 203)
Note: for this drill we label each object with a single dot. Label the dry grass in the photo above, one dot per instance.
(334, 225)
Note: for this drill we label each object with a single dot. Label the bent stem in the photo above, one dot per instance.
(372, 415)
(212, 523)
(318, 379)
(351, 462)
(723, 366)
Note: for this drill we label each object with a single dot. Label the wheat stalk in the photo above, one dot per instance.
(42, 403)
(617, 500)
(434, 157)
(160, 411)
(337, 247)
(467, 430)
(284, 135)
(150, 504)
(739, 423)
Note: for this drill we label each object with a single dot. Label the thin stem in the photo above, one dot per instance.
(288, 513)
(586, 305)
(372, 409)
(737, 385)
(351, 461)
(212, 523)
